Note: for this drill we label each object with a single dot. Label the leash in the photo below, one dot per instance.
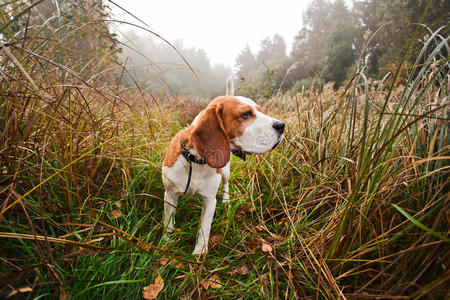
(191, 159)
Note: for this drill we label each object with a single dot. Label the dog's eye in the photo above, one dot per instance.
(246, 115)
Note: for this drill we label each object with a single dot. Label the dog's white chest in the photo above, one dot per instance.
(204, 180)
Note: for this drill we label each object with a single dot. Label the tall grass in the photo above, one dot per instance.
(354, 202)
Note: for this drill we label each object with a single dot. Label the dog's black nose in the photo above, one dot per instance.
(279, 127)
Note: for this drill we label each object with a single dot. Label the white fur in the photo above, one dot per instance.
(230, 86)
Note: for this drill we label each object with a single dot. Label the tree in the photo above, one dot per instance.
(339, 45)
(308, 45)
(396, 22)
(340, 53)
(245, 62)
(325, 46)
(271, 49)
(262, 75)
(74, 33)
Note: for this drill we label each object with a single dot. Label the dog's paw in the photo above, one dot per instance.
(199, 250)
(166, 236)
(225, 196)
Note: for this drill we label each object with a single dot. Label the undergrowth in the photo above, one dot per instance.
(353, 203)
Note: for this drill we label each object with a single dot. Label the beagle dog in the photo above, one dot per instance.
(198, 157)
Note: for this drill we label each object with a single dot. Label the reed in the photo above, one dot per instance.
(354, 202)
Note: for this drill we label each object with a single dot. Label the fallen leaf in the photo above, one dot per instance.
(242, 270)
(159, 280)
(211, 282)
(266, 247)
(245, 209)
(180, 266)
(152, 291)
(175, 263)
(116, 213)
(216, 284)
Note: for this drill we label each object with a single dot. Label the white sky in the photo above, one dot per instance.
(221, 28)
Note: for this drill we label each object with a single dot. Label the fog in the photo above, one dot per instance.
(170, 68)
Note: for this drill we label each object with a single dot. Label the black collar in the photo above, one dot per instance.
(189, 156)
(241, 154)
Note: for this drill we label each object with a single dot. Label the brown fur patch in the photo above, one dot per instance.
(231, 112)
(210, 138)
(174, 149)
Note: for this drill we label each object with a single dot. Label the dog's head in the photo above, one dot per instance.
(234, 123)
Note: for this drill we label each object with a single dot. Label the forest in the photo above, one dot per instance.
(353, 204)
(334, 42)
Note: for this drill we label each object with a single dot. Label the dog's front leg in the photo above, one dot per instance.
(225, 186)
(225, 190)
(170, 207)
(209, 206)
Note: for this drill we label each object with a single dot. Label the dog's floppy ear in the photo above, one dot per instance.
(210, 139)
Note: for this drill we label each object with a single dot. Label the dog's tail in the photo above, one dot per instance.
(230, 86)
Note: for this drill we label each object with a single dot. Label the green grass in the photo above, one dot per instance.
(354, 201)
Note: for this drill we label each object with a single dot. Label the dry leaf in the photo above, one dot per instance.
(266, 247)
(163, 261)
(175, 263)
(242, 270)
(212, 282)
(180, 266)
(216, 284)
(116, 213)
(152, 291)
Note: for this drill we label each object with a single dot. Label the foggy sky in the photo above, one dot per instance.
(220, 28)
